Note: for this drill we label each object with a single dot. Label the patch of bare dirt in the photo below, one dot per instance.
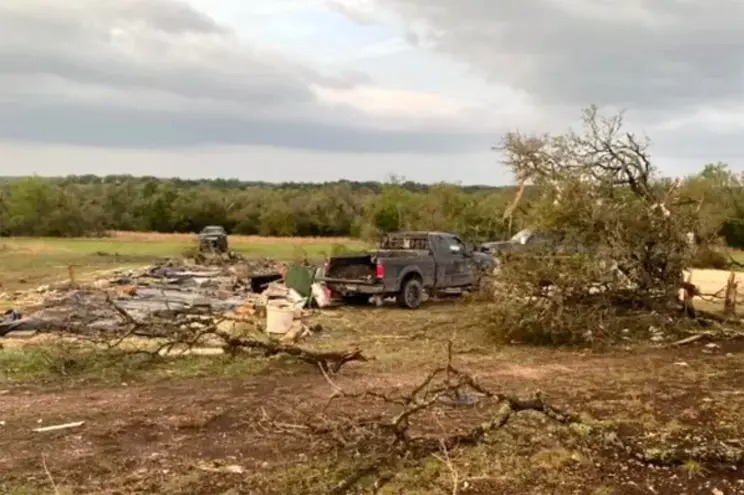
(153, 438)
(210, 436)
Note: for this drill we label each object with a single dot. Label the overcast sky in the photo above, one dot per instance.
(314, 90)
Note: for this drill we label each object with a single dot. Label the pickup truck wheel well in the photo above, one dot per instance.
(410, 276)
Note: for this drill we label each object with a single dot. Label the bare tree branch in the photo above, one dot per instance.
(384, 440)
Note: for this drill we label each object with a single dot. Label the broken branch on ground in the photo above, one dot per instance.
(184, 329)
(384, 439)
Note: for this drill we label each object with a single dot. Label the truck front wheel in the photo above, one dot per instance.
(411, 294)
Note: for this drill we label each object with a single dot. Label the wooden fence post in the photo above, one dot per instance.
(729, 305)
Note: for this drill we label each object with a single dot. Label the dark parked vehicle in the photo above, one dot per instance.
(213, 238)
(406, 265)
(534, 242)
(523, 240)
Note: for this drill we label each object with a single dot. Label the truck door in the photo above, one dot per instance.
(453, 260)
(442, 261)
(463, 272)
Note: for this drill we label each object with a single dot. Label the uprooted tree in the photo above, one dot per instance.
(621, 234)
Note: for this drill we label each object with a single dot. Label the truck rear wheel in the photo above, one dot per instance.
(411, 294)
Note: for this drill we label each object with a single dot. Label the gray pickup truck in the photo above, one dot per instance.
(407, 265)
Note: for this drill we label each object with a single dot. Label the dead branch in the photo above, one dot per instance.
(386, 439)
(689, 340)
(447, 461)
(189, 328)
(49, 475)
(330, 361)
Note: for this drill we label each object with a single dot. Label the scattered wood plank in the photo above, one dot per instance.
(689, 340)
(65, 426)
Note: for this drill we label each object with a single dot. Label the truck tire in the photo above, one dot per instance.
(411, 294)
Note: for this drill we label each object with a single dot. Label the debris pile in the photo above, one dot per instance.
(171, 289)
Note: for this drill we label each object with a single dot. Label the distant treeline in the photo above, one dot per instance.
(90, 205)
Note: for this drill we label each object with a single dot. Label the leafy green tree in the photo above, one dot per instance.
(90, 205)
(277, 219)
(717, 193)
(29, 206)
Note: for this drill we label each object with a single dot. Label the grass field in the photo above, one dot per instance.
(225, 424)
(29, 262)
(206, 411)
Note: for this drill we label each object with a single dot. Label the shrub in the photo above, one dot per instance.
(709, 257)
(733, 232)
(191, 251)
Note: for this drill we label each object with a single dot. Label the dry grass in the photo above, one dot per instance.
(27, 262)
(184, 412)
(238, 239)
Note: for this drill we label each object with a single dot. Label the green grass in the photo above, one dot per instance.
(29, 262)
(28, 489)
(737, 256)
(281, 249)
(55, 362)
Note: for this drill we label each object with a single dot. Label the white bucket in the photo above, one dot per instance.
(279, 318)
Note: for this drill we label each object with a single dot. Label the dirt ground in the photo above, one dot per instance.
(208, 435)
(713, 281)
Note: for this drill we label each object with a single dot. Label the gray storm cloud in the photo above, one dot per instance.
(159, 73)
(642, 53)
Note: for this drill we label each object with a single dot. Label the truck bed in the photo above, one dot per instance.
(363, 268)
(359, 268)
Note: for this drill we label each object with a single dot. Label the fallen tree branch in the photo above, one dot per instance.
(689, 340)
(386, 439)
(49, 475)
(327, 361)
(190, 327)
